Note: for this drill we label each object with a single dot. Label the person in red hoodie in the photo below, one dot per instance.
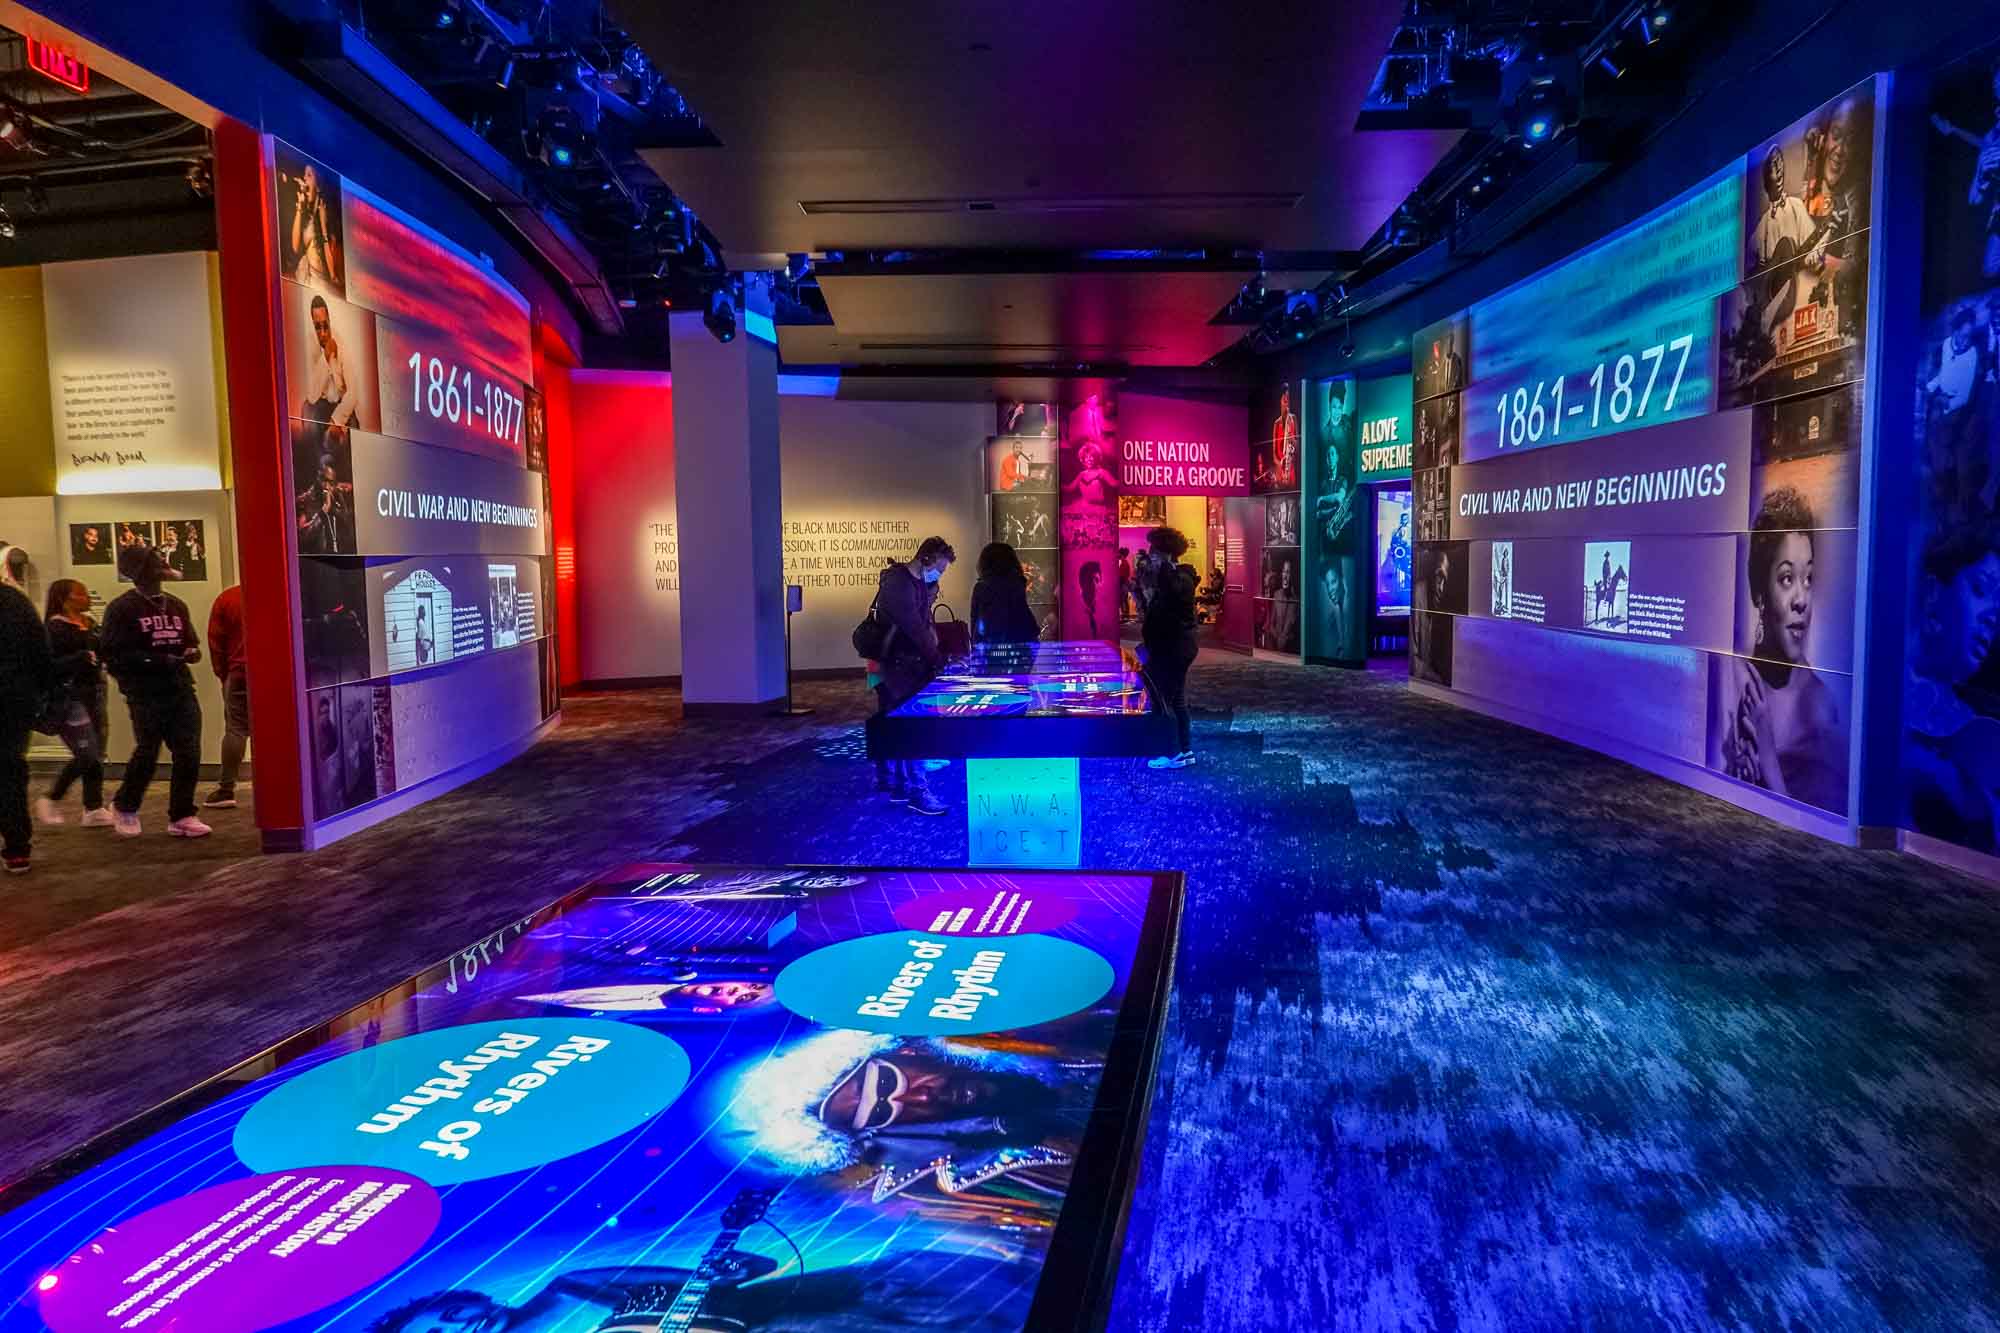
(229, 660)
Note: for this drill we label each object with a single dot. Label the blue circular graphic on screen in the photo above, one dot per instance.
(468, 1102)
(912, 984)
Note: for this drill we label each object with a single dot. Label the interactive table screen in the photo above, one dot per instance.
(683, 1098)
(1059, 700)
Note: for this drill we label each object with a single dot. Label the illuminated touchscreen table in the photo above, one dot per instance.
(684, 1097)
(1021, 715)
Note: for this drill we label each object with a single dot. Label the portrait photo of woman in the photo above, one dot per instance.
(1782, 726)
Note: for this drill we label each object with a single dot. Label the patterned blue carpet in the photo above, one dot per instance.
(1477, 1030)
(1474, 1030)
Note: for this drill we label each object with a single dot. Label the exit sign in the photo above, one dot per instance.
(55, 63)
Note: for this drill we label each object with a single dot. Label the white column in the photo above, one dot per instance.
(728, 494)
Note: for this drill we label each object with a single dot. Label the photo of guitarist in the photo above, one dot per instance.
(1785, 229)
(736, 1291)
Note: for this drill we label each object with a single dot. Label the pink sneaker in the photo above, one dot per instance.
(189, 827)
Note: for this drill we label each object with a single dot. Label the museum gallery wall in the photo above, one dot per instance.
(110, 370)
(419, 493)
(1637, 478)
(1277, 457)
(864, 482)
(1951, 685)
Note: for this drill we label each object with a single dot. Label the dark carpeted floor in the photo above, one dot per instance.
(1473, 1029)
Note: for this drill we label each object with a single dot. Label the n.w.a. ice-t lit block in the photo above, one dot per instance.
(1022, 812)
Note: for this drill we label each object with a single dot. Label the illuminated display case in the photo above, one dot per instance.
(681, 1096)
(1041, 700)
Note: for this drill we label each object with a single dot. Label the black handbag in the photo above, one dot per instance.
(872, 635)
(954, 636)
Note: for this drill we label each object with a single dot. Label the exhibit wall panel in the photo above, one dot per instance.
(627, 555)
(131, 374)
(864, 483)
(416, 496)
(443, 720)
(1947, 500)
(1647, 461)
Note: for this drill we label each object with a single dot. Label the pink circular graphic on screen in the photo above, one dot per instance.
(247, 1255)
(1017, 909)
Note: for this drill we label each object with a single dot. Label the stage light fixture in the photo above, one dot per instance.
(720, 316)
(562, 137)
(7, 228)
(1611, 65)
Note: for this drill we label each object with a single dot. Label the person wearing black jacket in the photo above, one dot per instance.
(79, 672)
(1170, 636)
(1000, 611)
(26, 679)
(149, 642)
(904, 596)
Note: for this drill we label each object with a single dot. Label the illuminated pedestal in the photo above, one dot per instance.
(1022, 812)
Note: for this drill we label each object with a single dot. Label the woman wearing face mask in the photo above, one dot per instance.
(80, 678)
(1787, 734)
(1952, 750)
(904, 596)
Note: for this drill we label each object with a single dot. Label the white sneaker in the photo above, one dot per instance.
(48, 811)
(127, 825)
(98, 818)
(189, 827)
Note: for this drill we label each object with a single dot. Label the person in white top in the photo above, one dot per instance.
(1952, 391)
(329, 397)
(1784, 228)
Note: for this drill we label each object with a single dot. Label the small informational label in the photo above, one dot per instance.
(245, 1255)
(1005, 909)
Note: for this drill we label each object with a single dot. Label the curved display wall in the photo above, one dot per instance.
(1637, 478)
(419, 493)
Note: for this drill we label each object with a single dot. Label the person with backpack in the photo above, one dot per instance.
(27, 678)
(1000, 612)
(901, 646)
(79, 704)
(149, 642)
(1170, 636)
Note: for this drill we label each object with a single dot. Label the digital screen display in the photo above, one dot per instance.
(1618, 337)
(836, 1097)
(1393, 540)
(1656, 444)
(1063, 679)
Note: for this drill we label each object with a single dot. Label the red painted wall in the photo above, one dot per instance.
(625, 523)
(259, 445)
(554, 360)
